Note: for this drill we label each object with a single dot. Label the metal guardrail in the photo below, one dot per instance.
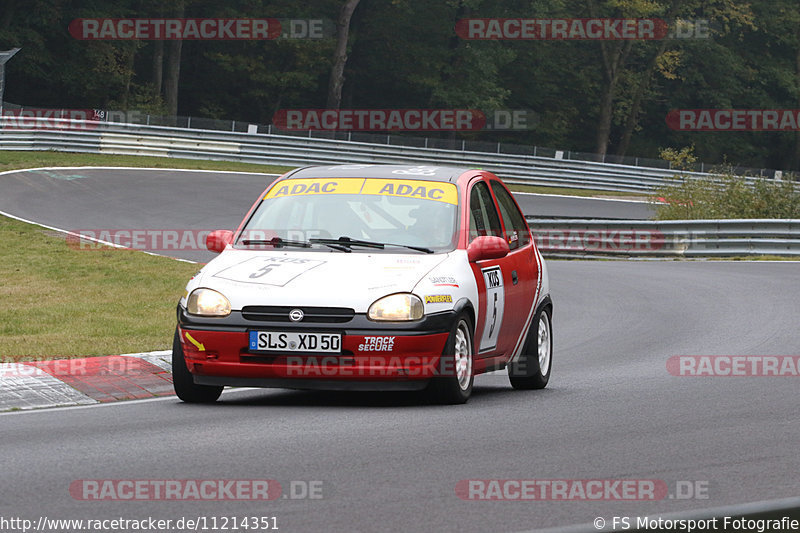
(393, 138)
(556, 237)
(137, 139)
(668, 238)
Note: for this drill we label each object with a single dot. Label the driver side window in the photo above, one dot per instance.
(483, 218)
(516, 228)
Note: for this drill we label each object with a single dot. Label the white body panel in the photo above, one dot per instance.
(335, 279)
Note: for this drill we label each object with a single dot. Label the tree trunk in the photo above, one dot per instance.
(613, 59)
(340, 54)
(171, 80)
(796, 156)
(129, 72)
(173, 67)
(636, 105)
(158, 66)
(644, 85)
(604, 122)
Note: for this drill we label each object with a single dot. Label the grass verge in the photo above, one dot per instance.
(62, 302)
(12, 160)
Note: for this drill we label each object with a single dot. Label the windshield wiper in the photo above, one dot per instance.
(347, 241)
(411, 247)
(277, 242)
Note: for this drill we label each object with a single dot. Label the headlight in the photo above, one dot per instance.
(205, 302)
(402, 306)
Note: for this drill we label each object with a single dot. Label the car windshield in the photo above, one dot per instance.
(395, 212)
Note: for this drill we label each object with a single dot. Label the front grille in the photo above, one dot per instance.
(311, 315)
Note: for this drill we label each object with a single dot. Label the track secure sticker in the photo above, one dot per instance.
(424, 190)
(439, 299)
(377, 344)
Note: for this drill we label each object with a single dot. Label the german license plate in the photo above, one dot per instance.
(289, 341)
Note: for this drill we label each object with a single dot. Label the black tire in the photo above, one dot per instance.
(447, 388)
(526, 372)
(185, 387)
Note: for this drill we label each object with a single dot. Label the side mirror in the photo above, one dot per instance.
(217, 240)
(485, 247)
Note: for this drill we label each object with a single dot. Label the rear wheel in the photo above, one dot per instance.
(532, 368)
(454, 383)
(185, 387)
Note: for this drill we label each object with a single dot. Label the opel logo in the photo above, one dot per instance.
(296, 315)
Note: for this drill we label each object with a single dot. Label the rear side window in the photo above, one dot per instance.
(516, 228)
(483, 218)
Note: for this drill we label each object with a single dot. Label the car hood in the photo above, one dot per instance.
(335, 279)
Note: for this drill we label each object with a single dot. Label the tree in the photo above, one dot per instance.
(666, 55)
(172, 68)
(614, 55)
(340, 54)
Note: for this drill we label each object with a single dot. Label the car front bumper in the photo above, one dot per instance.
(405, 356)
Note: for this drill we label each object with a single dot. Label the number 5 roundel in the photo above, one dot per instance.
(495, 302)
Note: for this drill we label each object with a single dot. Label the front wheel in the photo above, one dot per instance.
(183, 383)
(532, 369)
(453, 385)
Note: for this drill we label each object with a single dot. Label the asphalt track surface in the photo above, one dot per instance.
(96, 200)
(390, 462)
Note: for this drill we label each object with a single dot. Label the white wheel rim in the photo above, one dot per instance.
(544, 343)
(463, 356)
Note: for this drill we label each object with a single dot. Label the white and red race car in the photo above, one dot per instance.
(369, 277)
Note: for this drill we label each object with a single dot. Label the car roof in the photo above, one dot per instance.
(413, 172)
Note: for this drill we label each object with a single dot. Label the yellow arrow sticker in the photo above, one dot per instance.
(198, 344)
